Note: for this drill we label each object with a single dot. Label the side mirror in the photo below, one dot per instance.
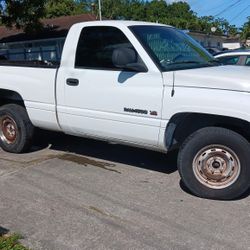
(126, 59)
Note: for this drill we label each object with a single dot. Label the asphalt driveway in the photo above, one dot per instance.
(73, 193)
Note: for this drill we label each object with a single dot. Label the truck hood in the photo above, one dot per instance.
(236, 78)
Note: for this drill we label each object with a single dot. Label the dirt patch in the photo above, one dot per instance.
(81, 160)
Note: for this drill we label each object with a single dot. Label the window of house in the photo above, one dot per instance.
(96, 45)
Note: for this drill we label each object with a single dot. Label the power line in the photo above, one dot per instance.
(239, 13)
(229, 7)
(215, 7)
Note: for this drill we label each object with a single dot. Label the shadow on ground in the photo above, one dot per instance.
(185, 189)
(146, 159)
(102, 150)
(3, 231)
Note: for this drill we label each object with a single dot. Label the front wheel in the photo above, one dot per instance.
(214, 163)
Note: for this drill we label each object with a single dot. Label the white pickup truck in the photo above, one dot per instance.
(141, 84)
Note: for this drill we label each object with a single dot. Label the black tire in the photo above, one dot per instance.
(16, 129)
(202, 157)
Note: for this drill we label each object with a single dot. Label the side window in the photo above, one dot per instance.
(96, 45)
(229, 60)
(248, 61)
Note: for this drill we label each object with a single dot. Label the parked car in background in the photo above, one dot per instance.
(234, 57)
(213, 51)
(2, 57)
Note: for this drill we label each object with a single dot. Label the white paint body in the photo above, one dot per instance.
(95, 108)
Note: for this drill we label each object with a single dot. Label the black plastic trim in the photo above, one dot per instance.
(112, 69)
(28, 64)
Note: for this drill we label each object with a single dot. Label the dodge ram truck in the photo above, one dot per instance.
(142, 84)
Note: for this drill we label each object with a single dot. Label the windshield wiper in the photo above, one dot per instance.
(211, 62)
(186, 62)
(215, 61)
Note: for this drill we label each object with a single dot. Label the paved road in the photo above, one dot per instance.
(83, 194)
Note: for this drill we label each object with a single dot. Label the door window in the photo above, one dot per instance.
(96, 45)
(229, 60)
(248, 61)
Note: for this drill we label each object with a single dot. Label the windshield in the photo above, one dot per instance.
(172, 49)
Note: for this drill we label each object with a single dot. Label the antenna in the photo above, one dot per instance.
(173, 88)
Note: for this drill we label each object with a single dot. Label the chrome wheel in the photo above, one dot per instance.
(216, 166)
(8, 130)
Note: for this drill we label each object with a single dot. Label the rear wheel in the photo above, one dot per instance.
(16, 129)
(215, 163)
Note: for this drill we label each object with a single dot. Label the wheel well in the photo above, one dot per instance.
(184, 124)
(9, 96)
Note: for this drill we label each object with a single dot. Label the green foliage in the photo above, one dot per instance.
(26, 14)
(23, 14)
(112, 8)
(156, 11)
(178, 14)
(134, 10)
(11, 243)
(246, 30)
(222, 26)
(64, 8)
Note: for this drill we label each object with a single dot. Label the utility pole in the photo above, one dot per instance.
(100, 10)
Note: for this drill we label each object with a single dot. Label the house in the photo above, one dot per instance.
(216, 41)
(247, 42)
(45, 45)
(208, 40)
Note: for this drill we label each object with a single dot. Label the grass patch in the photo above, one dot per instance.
(11, 242)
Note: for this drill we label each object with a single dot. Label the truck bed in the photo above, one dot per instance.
(35, 82)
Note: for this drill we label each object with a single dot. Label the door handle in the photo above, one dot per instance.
(72, 82)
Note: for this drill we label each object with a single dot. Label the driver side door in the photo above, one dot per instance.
(104, 101)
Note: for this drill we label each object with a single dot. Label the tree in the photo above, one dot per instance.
(222, 26)
(24, 14)
(27, 14)
(64, 8)
(134, 10)
(156, 11)
(181, 14)
(111, 9)
(246, 30)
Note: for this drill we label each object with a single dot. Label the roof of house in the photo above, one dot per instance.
(206, 34)
(55, 27)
